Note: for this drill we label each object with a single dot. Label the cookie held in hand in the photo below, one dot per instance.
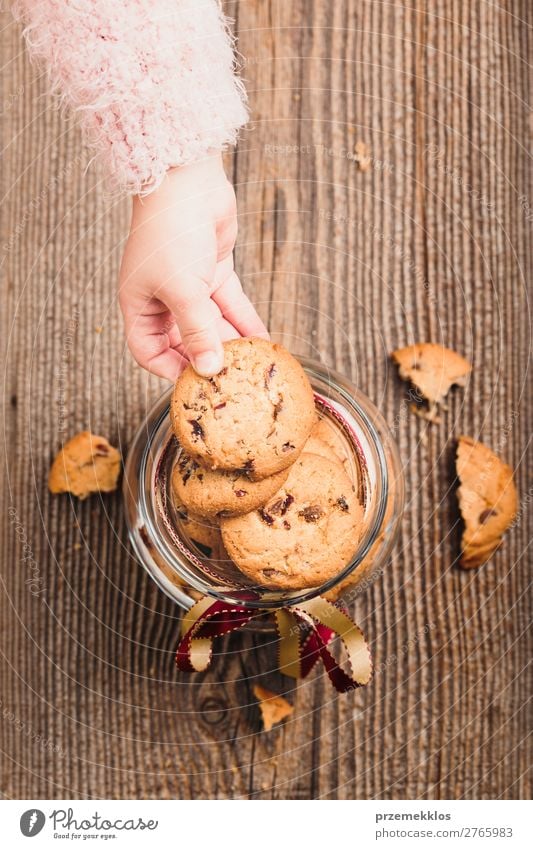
(305, 534)
(254, 416)
(209, 493)
(433, 370)
(487, 500)
(87, 463)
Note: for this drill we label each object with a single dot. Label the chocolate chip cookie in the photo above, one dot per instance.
(487, 499)
(305, 534)
(254, 416)
(209, 493)
(330, 435)
(315, 445)
(433, 370)
(326, 439)
(87, 463)
(205, 533)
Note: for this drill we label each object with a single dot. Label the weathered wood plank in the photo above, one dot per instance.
(433, 241)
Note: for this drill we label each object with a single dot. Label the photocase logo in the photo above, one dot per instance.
(32, 822)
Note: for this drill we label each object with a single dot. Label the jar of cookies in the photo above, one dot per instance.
(267, 485)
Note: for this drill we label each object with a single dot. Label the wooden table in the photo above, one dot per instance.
(432, 242)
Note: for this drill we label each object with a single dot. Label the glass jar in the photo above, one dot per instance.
(185, 570)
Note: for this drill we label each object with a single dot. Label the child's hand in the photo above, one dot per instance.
(179, 294)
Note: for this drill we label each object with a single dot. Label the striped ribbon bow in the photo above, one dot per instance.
(305, 630)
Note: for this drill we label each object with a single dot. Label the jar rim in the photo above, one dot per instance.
(264, 601)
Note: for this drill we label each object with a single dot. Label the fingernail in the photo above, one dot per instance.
(208, 363)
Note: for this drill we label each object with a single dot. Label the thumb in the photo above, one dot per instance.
(197, 319)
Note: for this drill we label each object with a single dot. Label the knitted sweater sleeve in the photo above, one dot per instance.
(152, 81)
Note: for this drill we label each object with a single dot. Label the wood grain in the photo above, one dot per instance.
(432, 242)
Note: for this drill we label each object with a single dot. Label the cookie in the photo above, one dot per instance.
(274, 708)
(365, 573)
(433, 370)
(330, 434)
(326, 439)
(315, 445)
(204, 533)
(488, 500)
(209, 493)
(87, 463)
(254, 416)
(171, 575)
(305, 534)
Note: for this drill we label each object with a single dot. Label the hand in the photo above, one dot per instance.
(179, 293)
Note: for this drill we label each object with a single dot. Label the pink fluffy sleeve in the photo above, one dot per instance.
(153, 81)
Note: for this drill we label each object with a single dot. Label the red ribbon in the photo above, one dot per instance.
(209, 619)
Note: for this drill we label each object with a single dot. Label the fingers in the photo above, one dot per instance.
(153, 340)
(197, 319)
(236, 307)
(187, 319)
(192, 327)
(223, 270)
(225, 330)
(168, 364)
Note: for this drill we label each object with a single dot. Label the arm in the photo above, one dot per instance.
(154, 86)
(152, 81)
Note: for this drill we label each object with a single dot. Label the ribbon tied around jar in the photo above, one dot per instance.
(305, 631)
